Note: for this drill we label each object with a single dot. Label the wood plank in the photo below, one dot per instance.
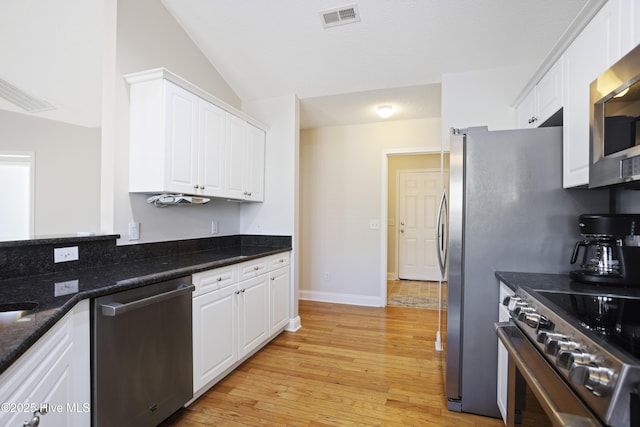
(347, 366)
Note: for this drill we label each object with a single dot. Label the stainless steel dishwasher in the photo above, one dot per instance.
(142, 354)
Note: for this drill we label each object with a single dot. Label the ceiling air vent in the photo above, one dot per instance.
(22, 99)
(340, 16)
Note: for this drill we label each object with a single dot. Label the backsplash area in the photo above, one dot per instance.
(34, 257)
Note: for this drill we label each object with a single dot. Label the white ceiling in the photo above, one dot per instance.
(52, 50)
(396, 54)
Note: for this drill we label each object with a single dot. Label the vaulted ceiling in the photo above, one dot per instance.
(396, 53)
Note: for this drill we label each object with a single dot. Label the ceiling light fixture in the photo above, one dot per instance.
(385, 111)
(622, 93)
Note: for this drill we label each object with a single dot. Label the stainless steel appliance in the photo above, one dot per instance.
(508, 211)
(589, 337)
(142, 354)
(611, 254)
(615, 124)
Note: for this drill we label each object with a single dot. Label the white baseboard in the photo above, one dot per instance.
(294, 324)
(365, 300)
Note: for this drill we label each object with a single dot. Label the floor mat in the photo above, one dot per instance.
(410, 293)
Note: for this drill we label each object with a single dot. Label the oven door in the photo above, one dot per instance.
(536, 393)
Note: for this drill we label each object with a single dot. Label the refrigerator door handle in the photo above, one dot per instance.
(441, 244)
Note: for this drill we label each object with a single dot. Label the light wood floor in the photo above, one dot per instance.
(347, 366)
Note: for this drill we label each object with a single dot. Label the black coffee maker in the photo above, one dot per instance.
(611, 254)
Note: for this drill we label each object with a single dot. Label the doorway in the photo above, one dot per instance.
(424, 292)
(418, 195)
(17, 176)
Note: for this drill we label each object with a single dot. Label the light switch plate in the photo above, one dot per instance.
(134, 231)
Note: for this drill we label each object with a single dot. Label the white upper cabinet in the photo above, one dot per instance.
(596, 48)
(211, 168)
(245, 160)
(254, 176)
(543, 101)
(182, 142)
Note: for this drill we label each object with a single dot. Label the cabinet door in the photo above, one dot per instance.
(279, 299)
(253, 307)
(255, 160)
(549, 94)
(526, 111)
(181, 143)
(215, 339)
(53, 372)
(544, 100)
(211, 160)
(592, 52)
(236, 155)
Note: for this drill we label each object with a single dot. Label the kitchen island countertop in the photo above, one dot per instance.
(57, 293)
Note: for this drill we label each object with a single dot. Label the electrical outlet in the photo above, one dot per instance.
(374, 224)
(214, 227)
(65, 254)
(327, 276)
(134, 231)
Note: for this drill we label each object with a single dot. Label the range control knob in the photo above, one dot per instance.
(522, 312)
(567, 358)
(515, 302)
(543, 335)
(545, 324)
(509, 298)
(596, 379)
(554, 345)
(534, 320)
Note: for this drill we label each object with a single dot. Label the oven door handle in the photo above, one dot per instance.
(559, 402)
(112, 309)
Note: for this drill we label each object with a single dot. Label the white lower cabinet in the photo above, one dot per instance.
(54, 373)
(253, 314)
(215, 339)
(236, 310)
(279, 298)
(503, 356)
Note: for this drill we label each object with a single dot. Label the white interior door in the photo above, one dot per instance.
(419, 196)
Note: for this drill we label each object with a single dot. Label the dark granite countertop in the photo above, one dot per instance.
(534, 281)
(57, 293)
(561, 283)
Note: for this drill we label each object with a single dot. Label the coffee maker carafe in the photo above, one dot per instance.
(611, 250)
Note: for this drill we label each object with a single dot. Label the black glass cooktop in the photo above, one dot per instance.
(614, 318)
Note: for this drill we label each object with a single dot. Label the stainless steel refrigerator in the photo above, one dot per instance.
(508, 212)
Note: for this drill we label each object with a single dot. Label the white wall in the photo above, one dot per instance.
(481, 98)
(341, 187)
(142, 35)
(67, 171)
(278, 214)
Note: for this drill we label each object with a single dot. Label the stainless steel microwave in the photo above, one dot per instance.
(615, 124)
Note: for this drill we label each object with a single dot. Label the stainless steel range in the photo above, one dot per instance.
(591, 337)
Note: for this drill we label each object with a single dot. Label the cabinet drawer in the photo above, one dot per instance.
(250, 269)
(277, 261)
(212, 280)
